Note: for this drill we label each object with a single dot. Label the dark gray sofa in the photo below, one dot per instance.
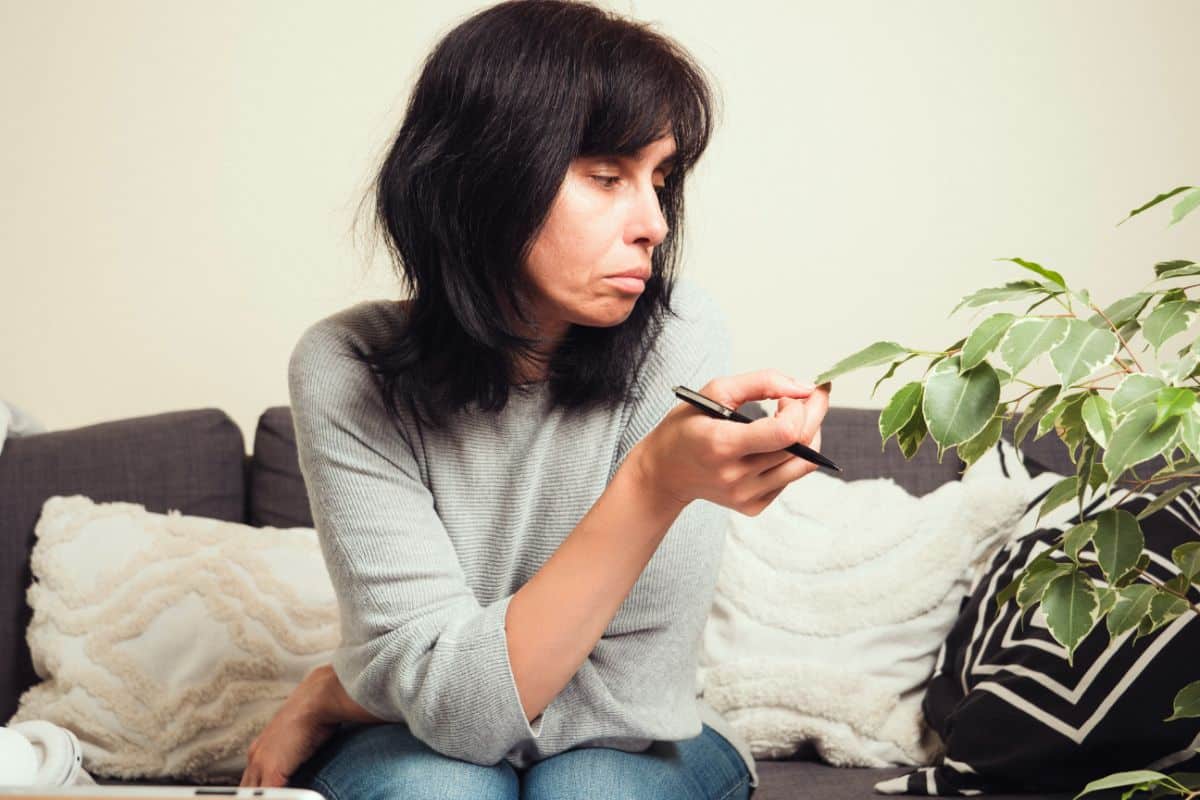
(196, 461)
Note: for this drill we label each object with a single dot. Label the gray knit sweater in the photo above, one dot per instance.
(428, 534)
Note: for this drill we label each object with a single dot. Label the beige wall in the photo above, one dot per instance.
(179, 177)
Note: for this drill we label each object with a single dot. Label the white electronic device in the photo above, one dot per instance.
(42, 761)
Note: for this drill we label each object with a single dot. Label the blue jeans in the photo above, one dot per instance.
(366, 762)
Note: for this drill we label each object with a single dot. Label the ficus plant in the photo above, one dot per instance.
(1113, 412)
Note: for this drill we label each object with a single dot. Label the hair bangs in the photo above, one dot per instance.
(645, 87)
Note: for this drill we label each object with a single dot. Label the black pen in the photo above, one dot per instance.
(715, 409)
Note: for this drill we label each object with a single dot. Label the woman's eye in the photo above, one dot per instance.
(609, 181)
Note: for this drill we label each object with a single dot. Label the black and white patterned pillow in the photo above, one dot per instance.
(1014, 716)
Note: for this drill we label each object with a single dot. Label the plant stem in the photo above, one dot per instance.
(1120, 338)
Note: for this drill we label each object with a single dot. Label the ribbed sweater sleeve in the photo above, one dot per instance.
(417, 525)
(416, 645)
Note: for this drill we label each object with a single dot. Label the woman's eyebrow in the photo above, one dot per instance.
(668, 162)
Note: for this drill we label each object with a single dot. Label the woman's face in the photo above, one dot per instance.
(605, 220)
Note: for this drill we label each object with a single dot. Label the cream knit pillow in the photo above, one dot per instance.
(166, 642)
(831, 606)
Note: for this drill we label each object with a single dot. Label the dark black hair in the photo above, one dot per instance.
(503, 104)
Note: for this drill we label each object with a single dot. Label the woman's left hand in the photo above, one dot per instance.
(293, 734)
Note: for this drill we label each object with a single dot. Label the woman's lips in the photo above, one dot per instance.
(635, 285)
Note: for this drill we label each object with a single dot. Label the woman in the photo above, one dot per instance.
(501, 478)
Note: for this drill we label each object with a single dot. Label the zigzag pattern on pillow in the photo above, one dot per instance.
(166, 642)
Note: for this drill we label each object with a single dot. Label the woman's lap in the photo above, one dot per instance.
(705, 766)
(361, 762)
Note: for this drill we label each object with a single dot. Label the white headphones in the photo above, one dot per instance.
(40, 753)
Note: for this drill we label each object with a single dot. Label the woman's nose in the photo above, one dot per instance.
(650, 223)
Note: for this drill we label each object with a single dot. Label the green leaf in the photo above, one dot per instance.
(1132, 575)
(1178, 371)
(1084, 350)
(984, 339)
(1173, 401)
(1118, 779)
(1121, 311)
(1118, 541)
(899, 410)
(1135, 389)
(1009, 591)
(996, 294)
(1129, 330)
(1037, 577)
(1076, 537)
(1039, 269)
(1042, 401)
(1175, 269)
(1060, 493)
(1132, 442)
(1086, 463)
(1155, 202)
(1108, 598)
(1052, 417)
(869, 356)
(1028, 338)
(1069, 603)
(1133, 603)
(1187, 557)
(1187, 702)
(1049, 296)
(1169, 319)
(1165, 606)
(1189, 431)
(1145, 627)
(1162, 500)
(973, 449)
(891, 371)
(956, 407)
(1070, 427)
(1185, 206)
(911, 435)
(1098, 417)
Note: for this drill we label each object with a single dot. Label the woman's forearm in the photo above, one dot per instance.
(555, 620)
(329, 703)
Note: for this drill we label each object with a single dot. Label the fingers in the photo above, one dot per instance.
(799, 414)
(794, 421)
(812, 412)
(771, 483)
(734, 390)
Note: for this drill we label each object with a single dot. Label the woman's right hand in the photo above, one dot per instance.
(690, 455)
(298, 729)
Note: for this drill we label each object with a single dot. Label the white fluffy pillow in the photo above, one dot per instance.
(831, 606)
(166, 642)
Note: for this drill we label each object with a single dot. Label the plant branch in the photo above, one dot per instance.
(1120, 338)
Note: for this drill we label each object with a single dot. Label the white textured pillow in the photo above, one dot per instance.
(831, 606)
(166, 642)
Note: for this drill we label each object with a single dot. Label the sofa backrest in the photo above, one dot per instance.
(192, 461)
(195, 461)
(849, 436)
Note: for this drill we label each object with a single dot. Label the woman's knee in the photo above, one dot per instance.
(385, 761)
(695, 769)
